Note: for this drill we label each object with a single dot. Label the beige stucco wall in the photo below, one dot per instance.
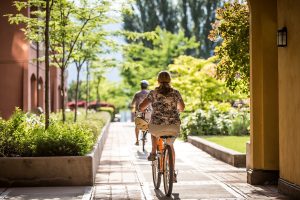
(289, 91)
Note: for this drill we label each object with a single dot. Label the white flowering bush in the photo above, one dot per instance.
(216, 121)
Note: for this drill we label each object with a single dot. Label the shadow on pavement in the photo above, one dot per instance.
(142, 155)
(161, 196)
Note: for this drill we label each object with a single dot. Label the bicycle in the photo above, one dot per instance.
(142, 124)
(144, 138)
(163, 165)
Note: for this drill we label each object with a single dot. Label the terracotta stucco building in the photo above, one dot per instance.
(21, 81)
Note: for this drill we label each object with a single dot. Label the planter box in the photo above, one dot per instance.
(224, 154)
(53, 171)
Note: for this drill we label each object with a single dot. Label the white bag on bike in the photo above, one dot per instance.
(164, 130)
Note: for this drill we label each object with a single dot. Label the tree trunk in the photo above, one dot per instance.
(37, 73)
(62, 71)
(47, 114)
(87, 88)
(76, 93)
(63, 67)
(98, 92)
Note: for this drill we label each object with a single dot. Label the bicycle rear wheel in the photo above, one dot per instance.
(156, 174)
(144, 139)
(168, 170)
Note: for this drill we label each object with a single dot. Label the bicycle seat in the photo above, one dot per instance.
(167, 136)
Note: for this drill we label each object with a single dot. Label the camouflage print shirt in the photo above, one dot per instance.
(164, 107)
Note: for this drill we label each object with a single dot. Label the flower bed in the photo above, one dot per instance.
(51, 167)
(216, 121)
(25, 135)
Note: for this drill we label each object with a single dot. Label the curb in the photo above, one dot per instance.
(60, 170)
(226, 155)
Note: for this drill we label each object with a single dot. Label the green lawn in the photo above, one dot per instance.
(237, 143)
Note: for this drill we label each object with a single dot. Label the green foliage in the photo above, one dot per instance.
(240, 123)
(64, 140)
(25, 135)
(194, 17)
(195, 79)
(232, 28)
(75, 30)
(142, 62)
(216, 121)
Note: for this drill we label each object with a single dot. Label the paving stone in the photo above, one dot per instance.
(53, 193)
(125, 173)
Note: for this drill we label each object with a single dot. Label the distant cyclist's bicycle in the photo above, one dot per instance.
(142, 124)
(144, 139)
(163, 165)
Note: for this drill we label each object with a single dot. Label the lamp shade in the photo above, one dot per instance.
(282, 37)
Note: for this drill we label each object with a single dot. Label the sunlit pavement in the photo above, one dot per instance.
(125, 173)
(51, 193)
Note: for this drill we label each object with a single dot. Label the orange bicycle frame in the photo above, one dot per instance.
(160, 148)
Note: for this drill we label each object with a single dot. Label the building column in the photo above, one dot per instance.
(264, 143)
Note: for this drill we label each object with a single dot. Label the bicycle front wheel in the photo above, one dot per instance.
(168, 170)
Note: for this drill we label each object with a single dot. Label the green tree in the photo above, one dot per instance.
(69, 22)
(90, 45)
(193, 16)
(147, 15)
(232, 29)
(142, 62)
(98, 70)
(66, 23)
(36, 30)
(195, 79)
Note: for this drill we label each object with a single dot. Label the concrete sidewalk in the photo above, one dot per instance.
(125, 173)
(24, 193)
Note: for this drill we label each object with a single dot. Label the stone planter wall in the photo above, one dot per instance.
(53, 171)
(224, 154)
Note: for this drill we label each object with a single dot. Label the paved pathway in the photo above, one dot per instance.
(124, 173)
(43, 193)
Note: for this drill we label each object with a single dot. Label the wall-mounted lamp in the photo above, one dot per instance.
(282, 37)
(39, 86)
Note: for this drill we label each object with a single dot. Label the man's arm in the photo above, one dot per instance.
(143, 106)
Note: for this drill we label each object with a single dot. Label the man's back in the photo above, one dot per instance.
(139, 97)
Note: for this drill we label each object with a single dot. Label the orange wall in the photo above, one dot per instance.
(13, 59)
(289, 92)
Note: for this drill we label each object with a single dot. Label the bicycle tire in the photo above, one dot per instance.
(156, 174)
(168, 174)
(144, 139)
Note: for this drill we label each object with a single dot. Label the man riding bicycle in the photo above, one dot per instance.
(137, 99)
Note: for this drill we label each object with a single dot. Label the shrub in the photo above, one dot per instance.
(64, 140)
(216, 121)
(24, 135)
(240, 123)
